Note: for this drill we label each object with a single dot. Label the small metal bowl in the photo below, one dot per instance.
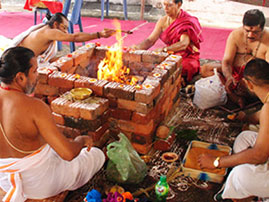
(169, 157)
(81, 93)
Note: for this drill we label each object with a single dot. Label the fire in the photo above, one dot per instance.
(111, 68)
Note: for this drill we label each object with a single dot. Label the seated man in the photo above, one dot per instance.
(36, 160)
(244, 43)
(42, 38)
(181, 33)
(250, 174)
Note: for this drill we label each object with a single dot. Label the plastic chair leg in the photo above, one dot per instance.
(35, 16)
(71, 30)
(102, 9)
(125, 9)
(107, 7)
(59, 45)
(80, 27)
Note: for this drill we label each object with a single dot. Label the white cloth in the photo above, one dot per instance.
(247, 180)
(44, 173)
(47, 55)
(4, 44)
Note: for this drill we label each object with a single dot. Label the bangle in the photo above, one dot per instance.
(98, 35)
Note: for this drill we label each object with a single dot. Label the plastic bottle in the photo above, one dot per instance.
(161, 189)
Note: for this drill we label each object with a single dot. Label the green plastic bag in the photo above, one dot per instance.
(125, 165)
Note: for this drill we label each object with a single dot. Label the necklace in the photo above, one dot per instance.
(10, 144)
(266, 98)
(10, 89)
(255, 51)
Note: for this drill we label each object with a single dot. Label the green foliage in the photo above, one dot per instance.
(186, 134)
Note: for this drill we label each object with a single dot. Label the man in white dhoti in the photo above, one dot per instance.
(36, 160)
(250, 175)
(42, 38)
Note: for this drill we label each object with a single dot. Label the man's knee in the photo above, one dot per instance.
(243, 177)
(207, 69)
(244, 140)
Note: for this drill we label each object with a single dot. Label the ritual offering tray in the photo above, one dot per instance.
(190, 165)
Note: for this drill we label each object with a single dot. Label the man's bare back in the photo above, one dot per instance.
(17, 117)
(37, 40)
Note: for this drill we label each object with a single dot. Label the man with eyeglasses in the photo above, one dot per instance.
(243, 44)
(42, 39)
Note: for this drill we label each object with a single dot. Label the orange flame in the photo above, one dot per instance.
(111, 67)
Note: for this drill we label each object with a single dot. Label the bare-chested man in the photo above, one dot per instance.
(42, 38)
(34, 155)
(250, 174)
(244, 43)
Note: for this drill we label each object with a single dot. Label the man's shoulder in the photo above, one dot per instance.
(236, 34)
(32, 102)
(266, 34)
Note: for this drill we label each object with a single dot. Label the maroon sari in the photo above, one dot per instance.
(185, 24)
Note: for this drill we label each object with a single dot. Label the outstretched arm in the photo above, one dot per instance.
(153, 37)
(57, 35)
(258, 154)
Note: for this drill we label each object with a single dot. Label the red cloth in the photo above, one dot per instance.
(186, 24)
(238, 72)
(53, 6)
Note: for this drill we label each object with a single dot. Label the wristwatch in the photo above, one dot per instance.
(165, 49)
(216, 162)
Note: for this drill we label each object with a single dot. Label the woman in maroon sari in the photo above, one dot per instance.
(181, 33)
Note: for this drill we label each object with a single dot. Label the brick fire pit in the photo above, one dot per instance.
(135, 110)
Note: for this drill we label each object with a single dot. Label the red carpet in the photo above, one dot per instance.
(13, 23)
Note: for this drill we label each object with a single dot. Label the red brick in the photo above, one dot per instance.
(141, 139)
(60, 105)
(164, 145)
(58, 118)
(174, 58)
(61, 80)
(146, 118)
(68, 132)
(134, 56)
(81, 57)
(143, 129)
(43, 73)
(121, 114)
(153, 56)
(142, 149)
(150, 89)
(165, 105)
(135, 106)
(65, 63)
(99, 132)
(44, 89)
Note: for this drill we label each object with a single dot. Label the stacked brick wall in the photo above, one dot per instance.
(134, 110)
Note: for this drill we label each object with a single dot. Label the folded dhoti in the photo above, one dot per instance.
(44, 173)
